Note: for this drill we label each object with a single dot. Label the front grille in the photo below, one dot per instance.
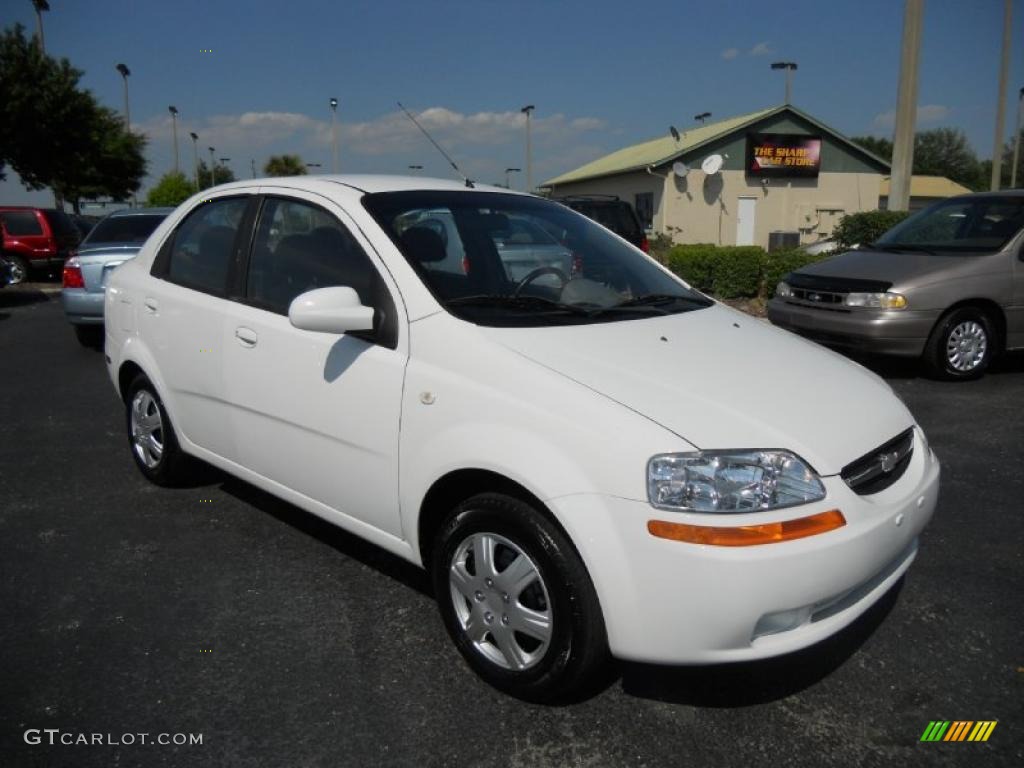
(878, 469)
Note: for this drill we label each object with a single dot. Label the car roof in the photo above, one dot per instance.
(369, 183)
(164, 211)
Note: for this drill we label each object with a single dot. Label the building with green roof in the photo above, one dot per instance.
(773, 176)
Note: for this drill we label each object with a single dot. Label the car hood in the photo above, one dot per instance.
(720, 379)
(896, 269)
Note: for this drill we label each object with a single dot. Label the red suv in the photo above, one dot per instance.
(36, 239)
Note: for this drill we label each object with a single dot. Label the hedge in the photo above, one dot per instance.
(732, 272)
(865, 227)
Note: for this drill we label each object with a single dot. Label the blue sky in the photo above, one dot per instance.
(601, 74)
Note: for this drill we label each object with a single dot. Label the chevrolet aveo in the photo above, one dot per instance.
(589, 459)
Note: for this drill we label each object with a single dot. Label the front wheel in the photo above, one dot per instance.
(962, 345)
(517, 600)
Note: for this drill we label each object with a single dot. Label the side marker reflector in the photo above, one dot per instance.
(748, 535)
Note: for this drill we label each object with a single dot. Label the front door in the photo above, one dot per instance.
(316, 412)
(745, 215)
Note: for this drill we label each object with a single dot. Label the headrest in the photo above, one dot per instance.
(424, 245)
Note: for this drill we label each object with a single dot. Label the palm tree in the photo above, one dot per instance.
(284, 165)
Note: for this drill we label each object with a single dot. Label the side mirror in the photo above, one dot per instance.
(330, 310)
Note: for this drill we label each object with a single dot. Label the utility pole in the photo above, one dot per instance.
(195, 156)
(40, 6)
(1016, 143)
(790, 67)
(508, 179)
(906, 108)
(527, 110)
(1004, 73)
(213, 165)
(334, 134)
(252, 164)
(174, 127)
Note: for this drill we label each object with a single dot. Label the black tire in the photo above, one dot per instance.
(89, 335)
(170, 465)
(961, 345)
(20, 270)
(575, 653)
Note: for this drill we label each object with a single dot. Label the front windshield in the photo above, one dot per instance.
(499, 259)
(979, 224)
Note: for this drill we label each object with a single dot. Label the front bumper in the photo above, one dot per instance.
(82, 307)
(890, 332)
(677, 603)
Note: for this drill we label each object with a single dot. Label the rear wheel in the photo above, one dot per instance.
(89, 335)
(962, 344)
(151, 437)
(19, 269)
(517, 600)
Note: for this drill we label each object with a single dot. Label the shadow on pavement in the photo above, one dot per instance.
(20, 297)
(913, 368)
(758, 682)
(347, 544)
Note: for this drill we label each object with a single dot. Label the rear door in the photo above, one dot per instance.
(183, 314)
(315, 412)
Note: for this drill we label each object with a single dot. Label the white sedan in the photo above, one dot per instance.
(602, 462)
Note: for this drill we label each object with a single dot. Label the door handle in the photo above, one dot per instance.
(151, 306)
(246, 336)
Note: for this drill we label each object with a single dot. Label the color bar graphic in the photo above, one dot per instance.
(958, 730)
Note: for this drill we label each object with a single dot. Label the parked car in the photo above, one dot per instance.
(614, 463)
(115, 240)
(819, 247)
(85, 223)
(946, 285)
(611, 212)
(36, 239)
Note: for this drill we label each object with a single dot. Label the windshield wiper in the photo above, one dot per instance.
(515, 302)
(901, 247)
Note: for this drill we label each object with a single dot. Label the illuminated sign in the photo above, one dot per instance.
(782, 154)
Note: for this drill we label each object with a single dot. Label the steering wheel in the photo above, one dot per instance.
(539, 272)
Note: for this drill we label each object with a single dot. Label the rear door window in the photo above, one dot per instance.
(21, 223)
(204, 245)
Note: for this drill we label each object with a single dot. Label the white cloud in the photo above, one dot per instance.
(761, 49)
(926, 113)
(730, 53)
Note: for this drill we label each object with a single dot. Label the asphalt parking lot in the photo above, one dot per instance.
(218, 610)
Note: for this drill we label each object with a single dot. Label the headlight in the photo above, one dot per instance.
(876, 300)
(730, 481)
(783, 291)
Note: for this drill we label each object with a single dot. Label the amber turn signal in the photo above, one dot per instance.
(748, 535)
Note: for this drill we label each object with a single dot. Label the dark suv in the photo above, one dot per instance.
(612, 213)
(36, 239)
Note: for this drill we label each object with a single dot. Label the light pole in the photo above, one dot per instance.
(224, 163)
(252, 164)
(195, 156)
(415, 168)
(702, 117)
(508, 184)
(40, 6)
(790, 67)
(527, 110)
(174, 128)
(312, 165)
(124, 76)
(334, 134)
(213, 164)
(906, 107)
(1004, 73)
(1016, 143)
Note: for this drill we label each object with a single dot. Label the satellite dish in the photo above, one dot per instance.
(674, 132)
(680, 169)
(712, 164)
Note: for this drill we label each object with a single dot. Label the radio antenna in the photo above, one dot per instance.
(431, 138)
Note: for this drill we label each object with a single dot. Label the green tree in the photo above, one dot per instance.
(285, 165)
(945, 152)
(172, 190)
(875, 145)
(54, 134)
(221, 175)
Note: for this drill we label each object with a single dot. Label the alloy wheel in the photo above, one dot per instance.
(147, 429)
(966, 346)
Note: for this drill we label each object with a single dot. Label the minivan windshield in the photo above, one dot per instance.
(502, 259)
(980, 224)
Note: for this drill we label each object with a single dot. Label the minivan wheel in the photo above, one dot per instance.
(962, 345)
(151, 437)
(517, 600)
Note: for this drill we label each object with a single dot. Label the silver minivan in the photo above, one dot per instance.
(946, 285)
